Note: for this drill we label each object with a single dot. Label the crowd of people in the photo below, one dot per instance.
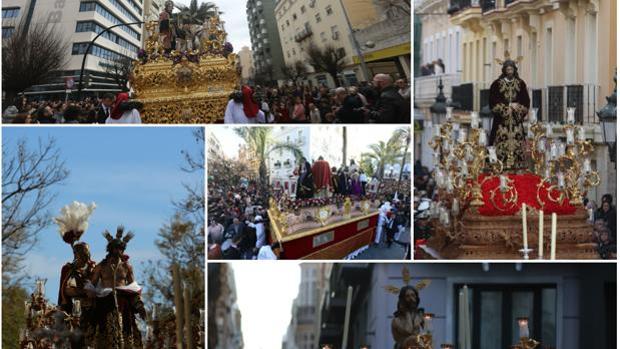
(108, 109)
(383, 101)
(433, 68)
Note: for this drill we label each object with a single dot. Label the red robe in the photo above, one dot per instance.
(321, 174)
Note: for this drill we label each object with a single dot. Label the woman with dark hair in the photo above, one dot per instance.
(509, 102)
(408, 318)
(305, 182)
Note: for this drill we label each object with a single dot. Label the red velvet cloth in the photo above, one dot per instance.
(322, 174)
(526, 185)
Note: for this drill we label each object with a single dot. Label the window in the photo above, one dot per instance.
(7, 32)
(494, 309)
(11, 12)
(329, 10)
(335, 33)
(318, 17)
(92, 26)
(92, 6)
(96, 50)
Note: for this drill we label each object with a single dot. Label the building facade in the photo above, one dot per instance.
(246, 62)
(568, 58)
(79, 22)
(383, 41)
(266, 46)
(568, 305)
(224, 323)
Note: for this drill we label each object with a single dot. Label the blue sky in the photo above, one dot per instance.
(132, 173)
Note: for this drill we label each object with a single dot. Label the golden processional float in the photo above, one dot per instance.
(189, 85)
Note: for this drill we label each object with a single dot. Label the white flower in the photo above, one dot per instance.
(74, 217)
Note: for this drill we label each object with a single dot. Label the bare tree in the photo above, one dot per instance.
(32, 56)
(329, 60)
(27, 177)
(119, 70)
(295, 71)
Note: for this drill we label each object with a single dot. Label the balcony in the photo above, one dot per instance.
(426, 87)
(303, 34)
(488, 5)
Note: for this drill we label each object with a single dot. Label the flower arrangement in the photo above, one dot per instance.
(73, 220)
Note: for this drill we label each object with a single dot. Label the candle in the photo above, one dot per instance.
(591, 215)
(571, 115)
(547, 172)
(581, 134)
(587, 166)
(554, 151)
(542, 145)
(533, 113)
(474, 120)
(524, 219)
(561, 149)
(524, 331)
(503, 182)
(492, 154)
(445, 145)
(436, 131)
(428, 322)
(541, 223)
(554, 219)
(449, 113)
(462, 135)
(482, 138)
(561, 179)
(570, 139)
(455, 206)
(549, 132)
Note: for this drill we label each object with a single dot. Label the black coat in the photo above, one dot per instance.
(350, 112)
(100, 115)
(391, 108)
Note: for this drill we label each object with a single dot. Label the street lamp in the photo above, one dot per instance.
(438, 109)
(607, 117)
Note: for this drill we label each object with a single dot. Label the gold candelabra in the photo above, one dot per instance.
(564, 166)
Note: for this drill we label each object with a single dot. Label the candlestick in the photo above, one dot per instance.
(554, 218)
(541, 223)
(524, 220)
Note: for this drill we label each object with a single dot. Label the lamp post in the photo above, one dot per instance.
(90, 44)
(438, 109)
(607, 117)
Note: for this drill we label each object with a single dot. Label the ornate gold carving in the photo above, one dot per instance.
(185, 87)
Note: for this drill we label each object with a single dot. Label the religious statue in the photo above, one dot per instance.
(167, 27)
(118, 296)
(72, 297)
(509, 102)
(408, 322)
(321, 174)
(305, 183)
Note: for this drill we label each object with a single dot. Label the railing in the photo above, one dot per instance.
(459, 5)
(508, 2)
(488, 5)
(556, 99)
(427, 87)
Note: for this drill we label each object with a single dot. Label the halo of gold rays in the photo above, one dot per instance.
(406, 277)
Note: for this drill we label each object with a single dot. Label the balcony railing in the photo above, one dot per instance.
(488, 5)
(459, 5)
(508, 2)
(426, 87)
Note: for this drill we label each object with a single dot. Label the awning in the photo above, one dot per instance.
(394, 51)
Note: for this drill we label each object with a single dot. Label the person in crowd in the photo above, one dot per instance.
(243, 109)
(124, 111)
(104, 110)
(391, 106)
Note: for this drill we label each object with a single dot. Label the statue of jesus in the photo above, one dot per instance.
(509, 102)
